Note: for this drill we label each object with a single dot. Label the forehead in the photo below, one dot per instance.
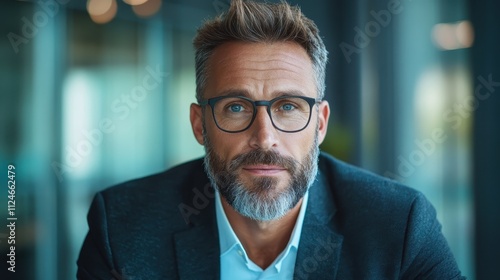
(260, 70)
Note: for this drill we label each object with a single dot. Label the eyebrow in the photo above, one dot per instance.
(244, 93)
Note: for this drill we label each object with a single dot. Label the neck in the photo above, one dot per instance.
(263, 241)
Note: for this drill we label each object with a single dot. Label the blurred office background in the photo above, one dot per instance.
(97, 92)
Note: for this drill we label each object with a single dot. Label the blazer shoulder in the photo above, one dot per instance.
(138, 216)
(385, 225)
(163, 190)
(152, 201)
(356, 188)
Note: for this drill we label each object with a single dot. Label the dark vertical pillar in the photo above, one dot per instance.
(336, 21)
(486, 68)
(345, 78)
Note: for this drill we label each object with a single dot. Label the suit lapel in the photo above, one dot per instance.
(319, 250)
(197, 252)
(197, 248)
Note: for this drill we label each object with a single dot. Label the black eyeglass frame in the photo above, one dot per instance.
(268, 103)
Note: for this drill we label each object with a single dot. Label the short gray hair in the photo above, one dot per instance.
(250, 21)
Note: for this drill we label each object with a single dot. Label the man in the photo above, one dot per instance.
(280, 209)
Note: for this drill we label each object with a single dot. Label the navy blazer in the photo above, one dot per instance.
(357, 226)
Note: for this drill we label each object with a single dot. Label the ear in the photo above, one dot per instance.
(324, 115)
(195, 115)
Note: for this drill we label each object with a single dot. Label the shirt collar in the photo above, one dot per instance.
(227, 237)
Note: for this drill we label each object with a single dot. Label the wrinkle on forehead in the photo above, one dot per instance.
(262, 67)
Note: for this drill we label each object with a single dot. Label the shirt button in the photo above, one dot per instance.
(240, 253)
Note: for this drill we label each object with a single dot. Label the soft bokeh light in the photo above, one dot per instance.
(80, 100)
(135, 2)
(149, 8)
(101, 11)
(465, 33)
(430, 98)
(453, 36)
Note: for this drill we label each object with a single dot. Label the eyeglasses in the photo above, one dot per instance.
(236, 113)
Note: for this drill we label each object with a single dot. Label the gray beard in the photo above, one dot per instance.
(262, 201)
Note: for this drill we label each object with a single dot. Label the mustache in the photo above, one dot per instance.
(263, 157)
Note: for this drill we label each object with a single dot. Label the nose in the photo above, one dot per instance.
(263, 133)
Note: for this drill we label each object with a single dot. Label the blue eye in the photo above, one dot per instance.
(236, 108)
(288, 107)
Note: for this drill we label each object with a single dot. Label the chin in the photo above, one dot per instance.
(270, 186)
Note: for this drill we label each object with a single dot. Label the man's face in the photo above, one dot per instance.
(261, 172)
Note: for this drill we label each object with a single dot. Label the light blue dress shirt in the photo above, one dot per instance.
(234, 261)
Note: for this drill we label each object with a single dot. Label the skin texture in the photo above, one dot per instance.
(261, 71)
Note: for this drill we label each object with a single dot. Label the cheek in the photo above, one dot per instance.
(225, 145)
(300, 144)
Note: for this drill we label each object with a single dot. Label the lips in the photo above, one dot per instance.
(263, 169)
